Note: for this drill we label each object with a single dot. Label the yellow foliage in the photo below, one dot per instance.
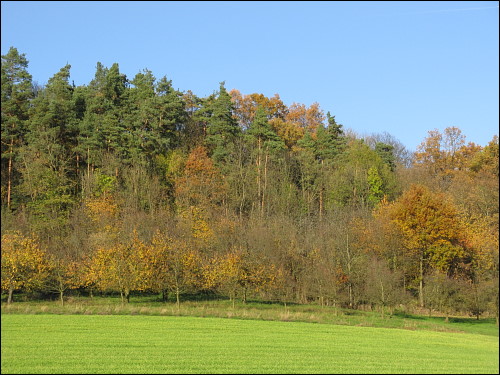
(24, 263)
(101, 208)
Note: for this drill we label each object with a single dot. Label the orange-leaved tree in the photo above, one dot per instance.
(432, 231)
(202, 184)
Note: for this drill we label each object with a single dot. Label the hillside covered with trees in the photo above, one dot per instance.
(129, 186)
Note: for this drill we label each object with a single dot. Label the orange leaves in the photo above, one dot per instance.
(305, 118)
(290, 123)
(430, 226)
(202, 183)
(245, 106)
(483, 240)
(446, 153)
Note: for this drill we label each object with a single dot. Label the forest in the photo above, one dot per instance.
(129, 186)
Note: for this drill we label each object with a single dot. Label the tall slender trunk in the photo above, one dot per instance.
(265, 185)
(61, 297)
(321, 204)
(421, 282)
(321, 193)
(349, 283)
(177, 297)
(258, 163)
(88, 161)
(9, 178)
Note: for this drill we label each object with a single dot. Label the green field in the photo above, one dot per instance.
(169, 344)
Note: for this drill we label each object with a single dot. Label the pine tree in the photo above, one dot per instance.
(16, 95)
(222, 127)
(46, 159)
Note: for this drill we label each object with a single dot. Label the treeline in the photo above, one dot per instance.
(133, 186)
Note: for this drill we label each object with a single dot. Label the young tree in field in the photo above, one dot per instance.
(64, 275)
(24, 263)
(118, 267)
(234, 271)
(221, 273)
(184, 267)
(16, 94)
(154, 264)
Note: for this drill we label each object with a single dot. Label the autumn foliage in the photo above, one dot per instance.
(128, 186)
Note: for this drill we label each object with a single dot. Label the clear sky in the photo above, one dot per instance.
(398, 67)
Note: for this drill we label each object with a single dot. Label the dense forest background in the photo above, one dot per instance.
(132, 186)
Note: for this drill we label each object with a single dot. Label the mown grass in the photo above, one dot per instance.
(149, 305)
(169, 344)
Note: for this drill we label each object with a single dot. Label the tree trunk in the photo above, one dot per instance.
(10, 298)
(265, 184)
(9, 178)
(321, 193)
(177, 297)
(61, 297)
(258, 162)
(88, 161)
(349, 283)
(421, 282)
(321, 204)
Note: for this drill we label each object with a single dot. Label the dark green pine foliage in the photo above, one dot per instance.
(172, 117)
(308, 143)
(386, 153)
(222, 127)
(157, 113)
(48, 159)
(115, 130)
(16, 94)
(263, 134)
(103, 130)
(331, 140)
(140, 114)
(92, 142)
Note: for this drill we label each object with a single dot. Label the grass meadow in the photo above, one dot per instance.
(81, 343)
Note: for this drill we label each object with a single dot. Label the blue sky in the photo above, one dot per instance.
(398, 67)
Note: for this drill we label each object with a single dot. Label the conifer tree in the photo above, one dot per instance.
(222, 126)
(16, 95)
